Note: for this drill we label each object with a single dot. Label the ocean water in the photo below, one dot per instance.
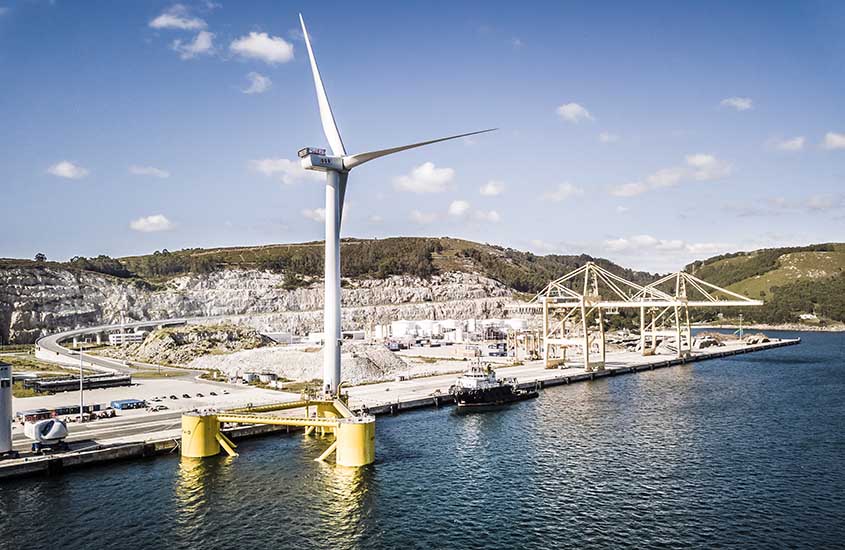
(743, 452)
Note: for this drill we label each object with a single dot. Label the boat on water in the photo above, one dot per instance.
(479, 387)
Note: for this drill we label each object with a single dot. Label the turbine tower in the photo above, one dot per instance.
(337, 167)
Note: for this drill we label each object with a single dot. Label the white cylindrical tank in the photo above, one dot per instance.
(5, 408)
(400, 329)
(425, 327)
(517, 324)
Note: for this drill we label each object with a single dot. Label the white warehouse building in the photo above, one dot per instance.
(451, 330)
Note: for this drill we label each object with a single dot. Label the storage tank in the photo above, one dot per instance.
(5, 408)
(517, 324)
(400, 329)
(425, 327)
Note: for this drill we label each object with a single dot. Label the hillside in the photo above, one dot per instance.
(791, 281)
(361, 259)
(276, 287)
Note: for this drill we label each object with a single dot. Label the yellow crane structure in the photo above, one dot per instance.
(574, 308)
(355, 435)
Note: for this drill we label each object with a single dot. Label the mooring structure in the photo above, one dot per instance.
(575, 308)
(355, 435)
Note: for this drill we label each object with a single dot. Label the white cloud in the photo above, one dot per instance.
(832, 140)
(573, 112)
(622, 209)
(629, 189)
(148, 171)
(177, 17)
(315, 214)
(794, 144)
(697, 167)
(260, 45)
(516, 43)
(738, 103)
(563, 191)
(375, 218)
(647, 243)
(289, 171)
(150, 224)
(489, 216)
(203, 44)
(707, 249)
(258, 83)
(779, 206)
(458, 208)
(607, 137)
(821, 203)
(492, 188)
(67, 169)
(423, 218)
(425, 178)
(3, 11)
(666, 177)
(544, 246)
(707, 167)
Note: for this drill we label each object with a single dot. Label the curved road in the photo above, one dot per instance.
(48, 348)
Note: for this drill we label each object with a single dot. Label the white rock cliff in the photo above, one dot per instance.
(35, 301)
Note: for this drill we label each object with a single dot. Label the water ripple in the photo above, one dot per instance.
(744, 452)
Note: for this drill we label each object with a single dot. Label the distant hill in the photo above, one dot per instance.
(791, 281)
(361, 258)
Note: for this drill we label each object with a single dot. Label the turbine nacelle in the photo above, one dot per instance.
(312, 159)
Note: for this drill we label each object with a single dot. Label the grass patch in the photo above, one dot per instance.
(18, 348)
(19, 391)
(27, 363)
(147, 374)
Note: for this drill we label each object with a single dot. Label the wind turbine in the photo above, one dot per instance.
(337, 167)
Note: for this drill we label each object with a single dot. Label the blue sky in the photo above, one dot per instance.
(649, 133)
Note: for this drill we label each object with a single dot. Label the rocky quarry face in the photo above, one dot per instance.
(180, 345)
(38, 300)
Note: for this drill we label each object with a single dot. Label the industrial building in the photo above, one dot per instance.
(120, 338)
(449, 330)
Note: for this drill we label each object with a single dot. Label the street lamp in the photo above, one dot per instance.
(81, 382)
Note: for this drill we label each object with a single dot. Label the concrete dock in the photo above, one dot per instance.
(149, 435)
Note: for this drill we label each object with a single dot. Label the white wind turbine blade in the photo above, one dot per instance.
(326, 116)
(351, 161)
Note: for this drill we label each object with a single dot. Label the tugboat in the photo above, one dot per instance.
(479, 387)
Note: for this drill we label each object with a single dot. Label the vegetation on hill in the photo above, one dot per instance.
(791, 281)
(376, 258)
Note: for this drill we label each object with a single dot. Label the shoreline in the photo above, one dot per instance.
(403, 396)
(791, 327)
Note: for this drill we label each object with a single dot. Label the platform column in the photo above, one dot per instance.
(199, 435)
(356, 442)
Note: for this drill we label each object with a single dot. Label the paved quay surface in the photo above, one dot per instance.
(387, 393)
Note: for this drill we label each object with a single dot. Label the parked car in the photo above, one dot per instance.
(186, 396)
(213, 393)
(200, 395)
(173, 397)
